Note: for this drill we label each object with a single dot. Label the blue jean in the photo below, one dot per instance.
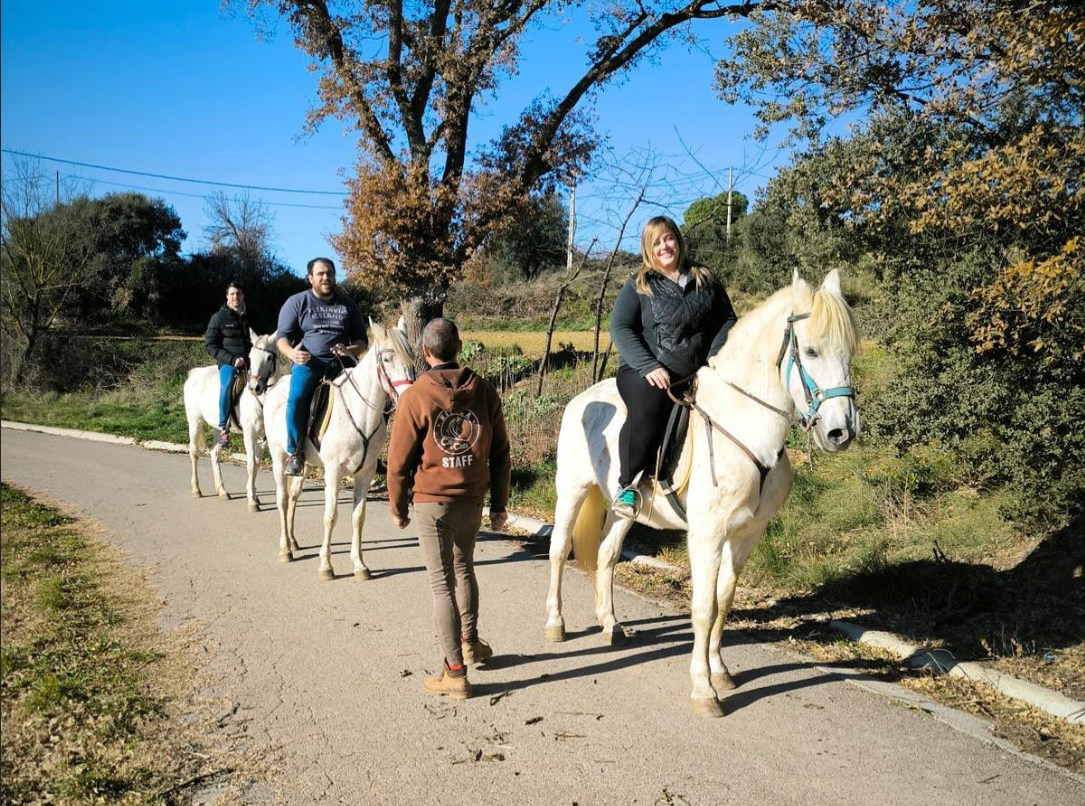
(227, 373)
(304, 378)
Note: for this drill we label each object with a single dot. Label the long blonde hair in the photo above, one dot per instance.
(653, 229)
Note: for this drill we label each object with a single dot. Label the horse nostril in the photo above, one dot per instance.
(837, 435)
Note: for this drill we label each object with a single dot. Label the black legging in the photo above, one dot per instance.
(642, 430)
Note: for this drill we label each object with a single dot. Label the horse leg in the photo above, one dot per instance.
(357, 520)
(278, 460)
(609, 551)
(331, 499)
(733, 557)
(561, 541)
(216, 472)
(704, 562)
(251, 465)
(294, 486)
(195, 437)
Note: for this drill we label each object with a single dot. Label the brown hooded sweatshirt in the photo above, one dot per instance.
(449, 435)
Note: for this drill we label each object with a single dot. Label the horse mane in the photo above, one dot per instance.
(401, 346)
(832, 322)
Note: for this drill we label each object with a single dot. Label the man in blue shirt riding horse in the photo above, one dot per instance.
(315, 328)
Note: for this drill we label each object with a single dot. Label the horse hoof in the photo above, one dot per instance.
(294, 545)
(555, 634)
(224, 496)
(615, 636)
(722, 681)
(326, 574)
(253, 507)
(285, 556)
(709, 708)
(197, 494)
(362, 574)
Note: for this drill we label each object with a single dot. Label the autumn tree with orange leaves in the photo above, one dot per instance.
(411, 77)
(961, 181)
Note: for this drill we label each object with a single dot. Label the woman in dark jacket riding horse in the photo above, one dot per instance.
(668, 319)
(228, 341)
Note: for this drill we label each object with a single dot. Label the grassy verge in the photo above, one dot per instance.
(91, 690)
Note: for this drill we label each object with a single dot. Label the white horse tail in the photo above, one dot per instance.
(588, 530)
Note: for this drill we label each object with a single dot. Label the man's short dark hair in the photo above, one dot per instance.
(442, 338)
(314, 261)
(234, 284)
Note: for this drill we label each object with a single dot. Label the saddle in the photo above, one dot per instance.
(320, 408)
(668, 459)
(237, 388)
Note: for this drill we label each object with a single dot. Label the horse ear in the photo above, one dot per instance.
(402, 324)
(832, 283)
(796, 279)
(378, 329)
(252, 336)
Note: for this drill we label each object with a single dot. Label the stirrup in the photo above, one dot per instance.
(626, 503)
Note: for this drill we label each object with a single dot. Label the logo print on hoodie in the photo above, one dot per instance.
(455, 433)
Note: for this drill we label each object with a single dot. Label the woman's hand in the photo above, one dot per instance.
(659, 378)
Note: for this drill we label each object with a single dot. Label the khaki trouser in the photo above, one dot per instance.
(446, 535)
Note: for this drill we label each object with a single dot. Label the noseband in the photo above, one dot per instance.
(815, 395)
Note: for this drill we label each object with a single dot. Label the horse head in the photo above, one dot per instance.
(815, 361)
(394, 358)
(263, 362)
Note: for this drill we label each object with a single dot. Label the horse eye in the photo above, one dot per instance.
(811, 352)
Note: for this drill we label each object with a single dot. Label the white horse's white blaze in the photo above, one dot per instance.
(361, 396)
(726, 518)
(201, 396)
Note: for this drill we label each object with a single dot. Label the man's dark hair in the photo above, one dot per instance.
(234, 284)
(314, 261)
(442, 338)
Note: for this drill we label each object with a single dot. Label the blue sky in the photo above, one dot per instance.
(184, 90)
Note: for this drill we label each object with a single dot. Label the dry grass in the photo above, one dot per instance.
(533, 343)
(99, 705)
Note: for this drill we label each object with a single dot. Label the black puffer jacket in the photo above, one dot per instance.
(227, 336)
(677, 328)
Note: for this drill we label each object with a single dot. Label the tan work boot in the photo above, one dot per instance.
(445, 683)
(476, 651)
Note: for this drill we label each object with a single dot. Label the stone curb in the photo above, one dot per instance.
(941, 661)
(94, 436)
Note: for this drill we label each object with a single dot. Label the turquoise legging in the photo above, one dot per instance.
(304, 379)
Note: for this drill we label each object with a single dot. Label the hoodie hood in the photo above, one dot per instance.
(450, 389)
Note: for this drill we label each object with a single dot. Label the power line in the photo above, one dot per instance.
(173, 178)
(197, 195)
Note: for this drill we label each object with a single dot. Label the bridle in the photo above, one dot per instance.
(390, 388)
(815, 395)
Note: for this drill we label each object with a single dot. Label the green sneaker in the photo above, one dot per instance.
(625, 503)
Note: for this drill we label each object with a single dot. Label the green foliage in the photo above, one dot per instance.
(535, 242)
(705, 231)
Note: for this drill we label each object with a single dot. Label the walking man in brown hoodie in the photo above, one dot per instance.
(449, 436)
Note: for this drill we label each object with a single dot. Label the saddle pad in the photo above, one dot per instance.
(320, 413)
(237, 388)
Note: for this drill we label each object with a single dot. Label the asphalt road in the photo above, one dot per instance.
(330, 673)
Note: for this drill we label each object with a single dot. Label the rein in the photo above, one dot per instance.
(389, 387)
(815, 396)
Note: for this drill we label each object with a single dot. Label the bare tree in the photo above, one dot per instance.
(42, 261)
(240, 224)
(558, 299)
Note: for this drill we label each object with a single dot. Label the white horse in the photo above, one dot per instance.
(740, 475)
(201, 395)
(363, 398)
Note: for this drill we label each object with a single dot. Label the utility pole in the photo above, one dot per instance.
(58, 189)
(572, 228)
(729, 187)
